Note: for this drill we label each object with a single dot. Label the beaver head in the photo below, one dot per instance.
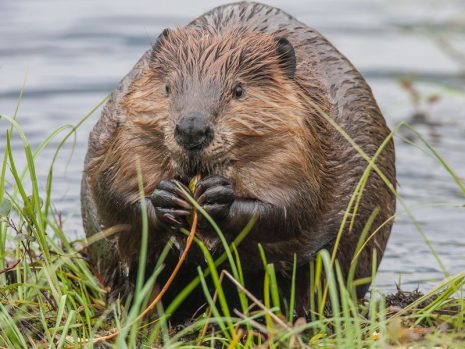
(215, 97)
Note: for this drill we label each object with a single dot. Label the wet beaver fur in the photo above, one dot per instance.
(232, 97)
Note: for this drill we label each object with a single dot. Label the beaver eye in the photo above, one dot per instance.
(238, 91)
(167, 90)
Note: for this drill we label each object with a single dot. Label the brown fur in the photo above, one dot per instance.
(272, 144)
(263, 143)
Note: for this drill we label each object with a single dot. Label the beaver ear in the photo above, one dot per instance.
(161, 38)
(286, 56)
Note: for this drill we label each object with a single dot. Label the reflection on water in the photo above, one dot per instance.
(73, 53)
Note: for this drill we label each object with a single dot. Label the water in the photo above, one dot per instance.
(72, 54)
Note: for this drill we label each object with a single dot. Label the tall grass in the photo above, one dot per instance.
(49, 296)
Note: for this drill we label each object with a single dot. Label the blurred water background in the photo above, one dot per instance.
(72, 54)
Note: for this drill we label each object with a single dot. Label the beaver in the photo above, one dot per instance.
(240, 96)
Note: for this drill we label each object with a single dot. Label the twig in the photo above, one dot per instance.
(10, 267)
(255, 324)
(257, 301)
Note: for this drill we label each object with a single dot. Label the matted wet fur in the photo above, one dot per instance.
(271, 153)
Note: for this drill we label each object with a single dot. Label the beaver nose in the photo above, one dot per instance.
(193, 132)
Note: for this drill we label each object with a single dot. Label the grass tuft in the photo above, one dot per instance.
(49, 296)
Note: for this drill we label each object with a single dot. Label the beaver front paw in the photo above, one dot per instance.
(170, 203)
(215, 194)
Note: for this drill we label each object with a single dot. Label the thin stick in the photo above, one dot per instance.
(256, 301)
(11, 267)
(254, 323)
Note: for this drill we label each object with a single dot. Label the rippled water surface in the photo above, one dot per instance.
(72, 54)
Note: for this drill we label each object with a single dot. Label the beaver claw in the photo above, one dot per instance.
(215, 194)
(169, 202)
